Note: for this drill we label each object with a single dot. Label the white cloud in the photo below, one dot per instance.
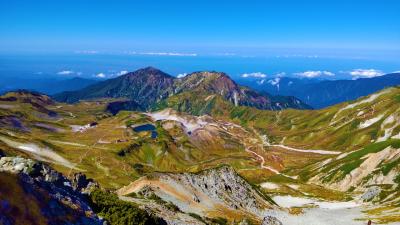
(275, 82)
(281, 74)
(366, 73)
(168, 54)
(181, 75)
(122, 72)
(312, 74)
(254, 75)
(89, 52)
(66, 72)
(297, 56)
(226, 54)
(100, 75)
(327, 73)
(261, 81)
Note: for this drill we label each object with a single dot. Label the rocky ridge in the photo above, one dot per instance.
(60, 200)
(207, 193)
(144, 88)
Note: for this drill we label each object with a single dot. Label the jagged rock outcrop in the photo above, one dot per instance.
(17, 165)
(49, 195)
(270, 220)
(83, 184)
(208, 192)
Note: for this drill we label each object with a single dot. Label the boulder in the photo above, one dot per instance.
(83, 184)
(271, 220)
(59, 202)
(371, 193)
(17, 165)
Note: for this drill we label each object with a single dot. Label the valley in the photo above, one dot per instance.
(202, 155)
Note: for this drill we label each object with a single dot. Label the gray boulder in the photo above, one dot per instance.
(83, 184)
(270, 220)
(371, 193)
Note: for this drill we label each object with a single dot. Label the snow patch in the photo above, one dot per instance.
(190, 123)
(369, 99)
(81, 129)
(290, 201)
(369, 122)
(235, 97)
(293, 186)
(389, 130)
(269, 185)
(40, 153)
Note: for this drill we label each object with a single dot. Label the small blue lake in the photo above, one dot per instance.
(147, 127)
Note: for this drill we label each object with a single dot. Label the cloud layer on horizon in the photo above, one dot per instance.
(66, 72)
(254, 75)
(313, 74)
(100, 75)
(365, 73)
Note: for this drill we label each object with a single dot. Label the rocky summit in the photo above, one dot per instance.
(149, 87)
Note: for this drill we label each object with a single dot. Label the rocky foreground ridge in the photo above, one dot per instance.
(36, 192)
(212, 193)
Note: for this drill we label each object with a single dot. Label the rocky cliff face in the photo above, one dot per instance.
(212, 193)
(35, 192)
(369, 171)
(216, 83)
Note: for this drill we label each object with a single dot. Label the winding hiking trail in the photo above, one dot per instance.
(321, 152)
(258, 143)
(262, 164)
(265, 142)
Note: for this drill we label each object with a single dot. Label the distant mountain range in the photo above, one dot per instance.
(149, 87)
(45, 85)
(320, 94)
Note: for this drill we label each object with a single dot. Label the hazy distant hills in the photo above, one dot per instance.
(148, 87)
(44, 85)
(320, 94)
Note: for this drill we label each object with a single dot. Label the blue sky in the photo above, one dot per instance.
(207, 26)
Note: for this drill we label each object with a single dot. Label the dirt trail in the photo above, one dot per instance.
(265, 142)
(258, 144)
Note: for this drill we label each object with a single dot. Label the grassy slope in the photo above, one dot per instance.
(317, 129)
(97, 151)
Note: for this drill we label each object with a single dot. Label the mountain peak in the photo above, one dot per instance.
(149, 72)
(147, 86)
(208, 74)
(150, 69)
